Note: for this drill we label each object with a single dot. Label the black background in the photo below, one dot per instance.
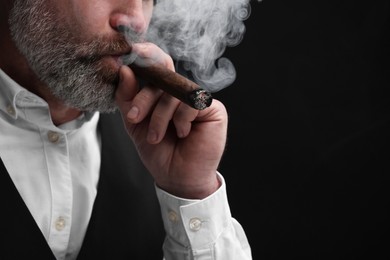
(311, 77)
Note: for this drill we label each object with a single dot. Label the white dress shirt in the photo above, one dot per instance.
(59, 184)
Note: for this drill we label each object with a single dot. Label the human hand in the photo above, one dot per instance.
(180, 146)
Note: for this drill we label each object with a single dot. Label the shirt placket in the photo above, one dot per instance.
(57, 155)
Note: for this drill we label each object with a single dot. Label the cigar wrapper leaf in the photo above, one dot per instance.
(174, 84)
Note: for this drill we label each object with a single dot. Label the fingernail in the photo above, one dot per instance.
(152, 136)
(180, 134)
(133, 113)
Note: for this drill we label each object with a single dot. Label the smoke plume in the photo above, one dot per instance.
(196, 33)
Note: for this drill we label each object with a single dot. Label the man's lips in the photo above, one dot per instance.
(117, 59)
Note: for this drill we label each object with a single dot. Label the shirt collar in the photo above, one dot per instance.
(15, 101)
(9, 90)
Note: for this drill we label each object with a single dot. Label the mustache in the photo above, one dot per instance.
(103, 46)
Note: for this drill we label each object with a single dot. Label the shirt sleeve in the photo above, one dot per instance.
(202, 229)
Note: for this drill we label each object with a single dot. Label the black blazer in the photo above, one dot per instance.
(126, 220)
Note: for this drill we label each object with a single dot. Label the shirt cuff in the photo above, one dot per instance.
(195, 223)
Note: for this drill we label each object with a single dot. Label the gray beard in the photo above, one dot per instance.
(70, 70)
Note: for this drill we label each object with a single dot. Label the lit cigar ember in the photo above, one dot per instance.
(169, 81)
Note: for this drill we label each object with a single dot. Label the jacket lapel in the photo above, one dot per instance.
(126, 220)
(20, 235)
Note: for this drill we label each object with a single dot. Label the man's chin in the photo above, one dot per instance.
(109, 70)
(106, 107)
(111, 63)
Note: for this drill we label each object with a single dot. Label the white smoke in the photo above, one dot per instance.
(196, 33)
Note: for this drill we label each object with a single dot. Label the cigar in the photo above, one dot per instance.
(174, 84)
(169, 81)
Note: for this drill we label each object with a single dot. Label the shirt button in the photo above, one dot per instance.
(195, 224)
(53, 136)
(172, 216)
(11, 110)
(60, 224)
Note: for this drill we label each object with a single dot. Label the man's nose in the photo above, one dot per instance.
(130, 14)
